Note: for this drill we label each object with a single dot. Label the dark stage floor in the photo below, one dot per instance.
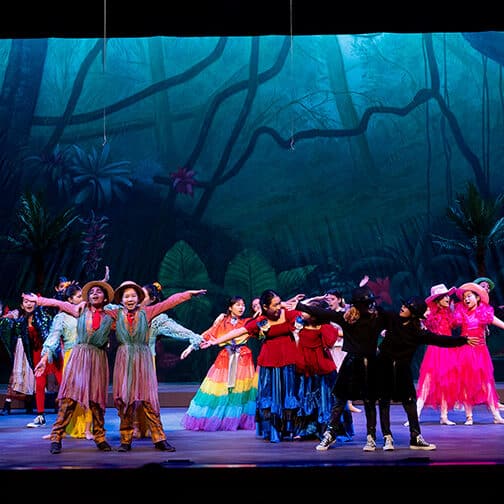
(205, 460)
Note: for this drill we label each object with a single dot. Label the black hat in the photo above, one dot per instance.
(362, 295)
(416, 305)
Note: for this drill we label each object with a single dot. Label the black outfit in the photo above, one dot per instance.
(394, 373)
(357, 375)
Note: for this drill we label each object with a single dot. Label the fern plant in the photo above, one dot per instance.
(479, 221)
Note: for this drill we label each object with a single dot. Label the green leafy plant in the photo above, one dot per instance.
(479, 221)
(182, 269)
(96, 182)
(38, 234)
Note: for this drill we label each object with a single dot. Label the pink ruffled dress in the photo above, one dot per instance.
(438, 378)
(475, 367)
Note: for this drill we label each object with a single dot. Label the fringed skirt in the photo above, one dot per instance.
(226, 399)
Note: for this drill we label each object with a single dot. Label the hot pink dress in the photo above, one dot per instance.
(438, 377)
(475, 367)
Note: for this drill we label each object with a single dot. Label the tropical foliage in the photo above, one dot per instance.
(53, 167)
(479, 221)
(38, 234)
(96, 182)
(93, 242)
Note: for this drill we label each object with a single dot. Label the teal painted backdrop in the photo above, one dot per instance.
(244, 163)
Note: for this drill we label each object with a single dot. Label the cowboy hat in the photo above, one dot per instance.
(491, 284)
(416, 305)
(107, 288)
(362, 295)
(128, 284)
(473, 287)
(438, 291)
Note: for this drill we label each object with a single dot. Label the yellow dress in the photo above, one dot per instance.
(81, 417)
(64, 333)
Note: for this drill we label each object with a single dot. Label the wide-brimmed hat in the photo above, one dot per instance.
(416, 305)
(107, 288)
(438, 291)
(128, 284)
(473, 287)
(362, 295)
(490, 282)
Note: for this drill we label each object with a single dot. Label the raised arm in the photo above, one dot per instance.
(107, 274)
(322, 314)
(497, 322)
(430, 338)
(171, 302)
(240, 331)
(165, 326)
(290, 304)
(53, 340)
(65, 306)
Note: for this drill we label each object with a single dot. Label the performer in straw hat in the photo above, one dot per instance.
(86, 377)
(489, 286)
(134, 376)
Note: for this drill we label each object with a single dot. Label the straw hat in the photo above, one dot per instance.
(473, 287)
(128, 284)
(107, 288)
(439, 290)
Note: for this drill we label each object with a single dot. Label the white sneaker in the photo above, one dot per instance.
(446, 421)
(38, 421)
(370, 444)
(389, 443)
(326, 441)
(419, 443)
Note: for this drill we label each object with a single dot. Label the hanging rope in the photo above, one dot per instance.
(292, 73)
(104, 62)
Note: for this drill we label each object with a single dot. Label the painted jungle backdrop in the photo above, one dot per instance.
(239, 164)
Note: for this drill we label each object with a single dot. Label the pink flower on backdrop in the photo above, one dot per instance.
(183, 181)
(381, 289)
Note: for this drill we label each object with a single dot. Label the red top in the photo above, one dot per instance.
(278, 348)
(314, 359)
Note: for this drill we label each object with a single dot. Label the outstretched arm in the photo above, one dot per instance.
(240, 331)
(171, 302)
(162, 325)
(65, 306)
(497, 322)
(53, 340)
(447, 341)
(322, 314)
(290, 304)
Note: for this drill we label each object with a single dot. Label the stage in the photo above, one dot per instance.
(206, 460)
